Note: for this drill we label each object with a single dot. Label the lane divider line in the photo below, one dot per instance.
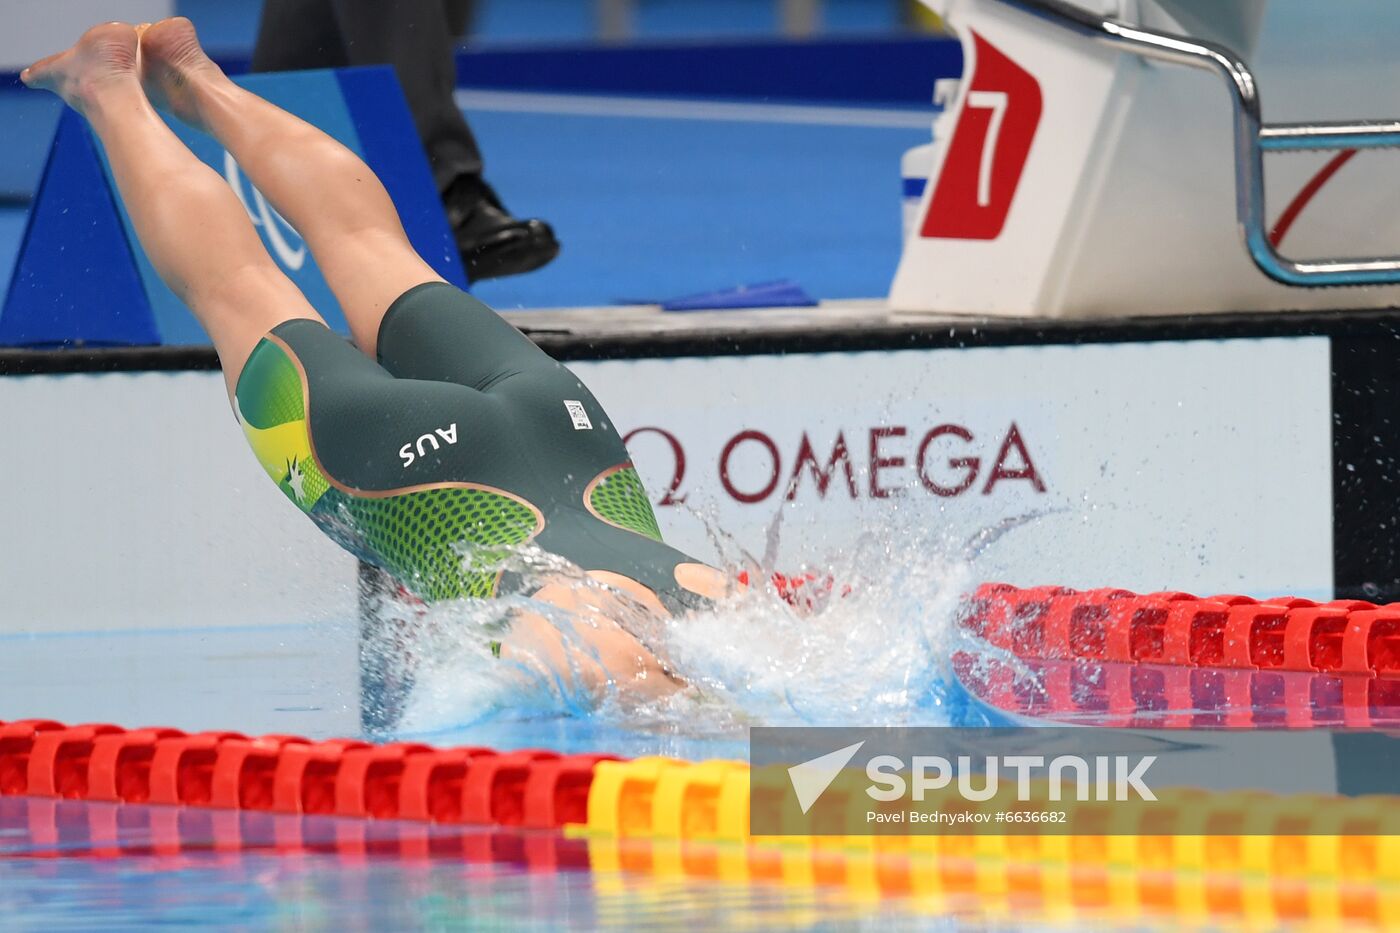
(1282, 857)
(1343, 637)
(653, 108)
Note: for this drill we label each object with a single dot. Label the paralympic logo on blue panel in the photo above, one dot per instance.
(282, 239)
(316, 97)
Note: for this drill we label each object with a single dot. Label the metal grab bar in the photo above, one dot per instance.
(1364, 135)
(1252, 138)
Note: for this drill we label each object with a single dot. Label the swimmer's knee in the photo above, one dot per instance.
(360, 242)
(251, 289)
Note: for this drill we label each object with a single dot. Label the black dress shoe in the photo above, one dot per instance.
(492, 242)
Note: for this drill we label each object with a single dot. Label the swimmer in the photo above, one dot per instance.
(442, 428)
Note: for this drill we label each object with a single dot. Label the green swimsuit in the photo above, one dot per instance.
(464, 441)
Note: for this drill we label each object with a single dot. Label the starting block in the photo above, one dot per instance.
(1108, 158)
(82, 277)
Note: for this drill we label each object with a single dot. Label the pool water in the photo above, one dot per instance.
(888, 652)
(76, 865)
(68, 865)
(455, 879)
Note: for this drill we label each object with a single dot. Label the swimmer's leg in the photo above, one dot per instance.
(322, 188)
(191, 224)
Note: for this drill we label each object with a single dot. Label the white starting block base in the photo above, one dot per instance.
(1073, 180)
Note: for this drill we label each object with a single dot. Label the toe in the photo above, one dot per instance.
(37, 74)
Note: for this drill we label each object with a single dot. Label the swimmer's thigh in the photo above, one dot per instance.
(571, 454)
(438, 332)
(322, 416)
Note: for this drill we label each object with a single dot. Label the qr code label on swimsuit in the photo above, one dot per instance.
(578, 415)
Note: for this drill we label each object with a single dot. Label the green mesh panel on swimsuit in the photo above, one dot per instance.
(423, 537)
(621, 500)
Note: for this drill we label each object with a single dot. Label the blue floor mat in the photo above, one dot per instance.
(661, 207)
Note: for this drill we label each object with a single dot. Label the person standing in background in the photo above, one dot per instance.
(417, 37)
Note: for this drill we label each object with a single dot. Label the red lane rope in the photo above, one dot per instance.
(289, 774)
(1305, 196)
(1177, 629)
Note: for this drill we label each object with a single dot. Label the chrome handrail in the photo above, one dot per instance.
(1252, 139)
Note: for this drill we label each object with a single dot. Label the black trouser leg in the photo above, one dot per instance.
(416, 39)
(414, 36)
(460, 16)
(294, 35)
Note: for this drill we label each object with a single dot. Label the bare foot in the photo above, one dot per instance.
(104, 56)
(172, 65)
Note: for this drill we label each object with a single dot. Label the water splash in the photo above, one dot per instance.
(874, 649)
